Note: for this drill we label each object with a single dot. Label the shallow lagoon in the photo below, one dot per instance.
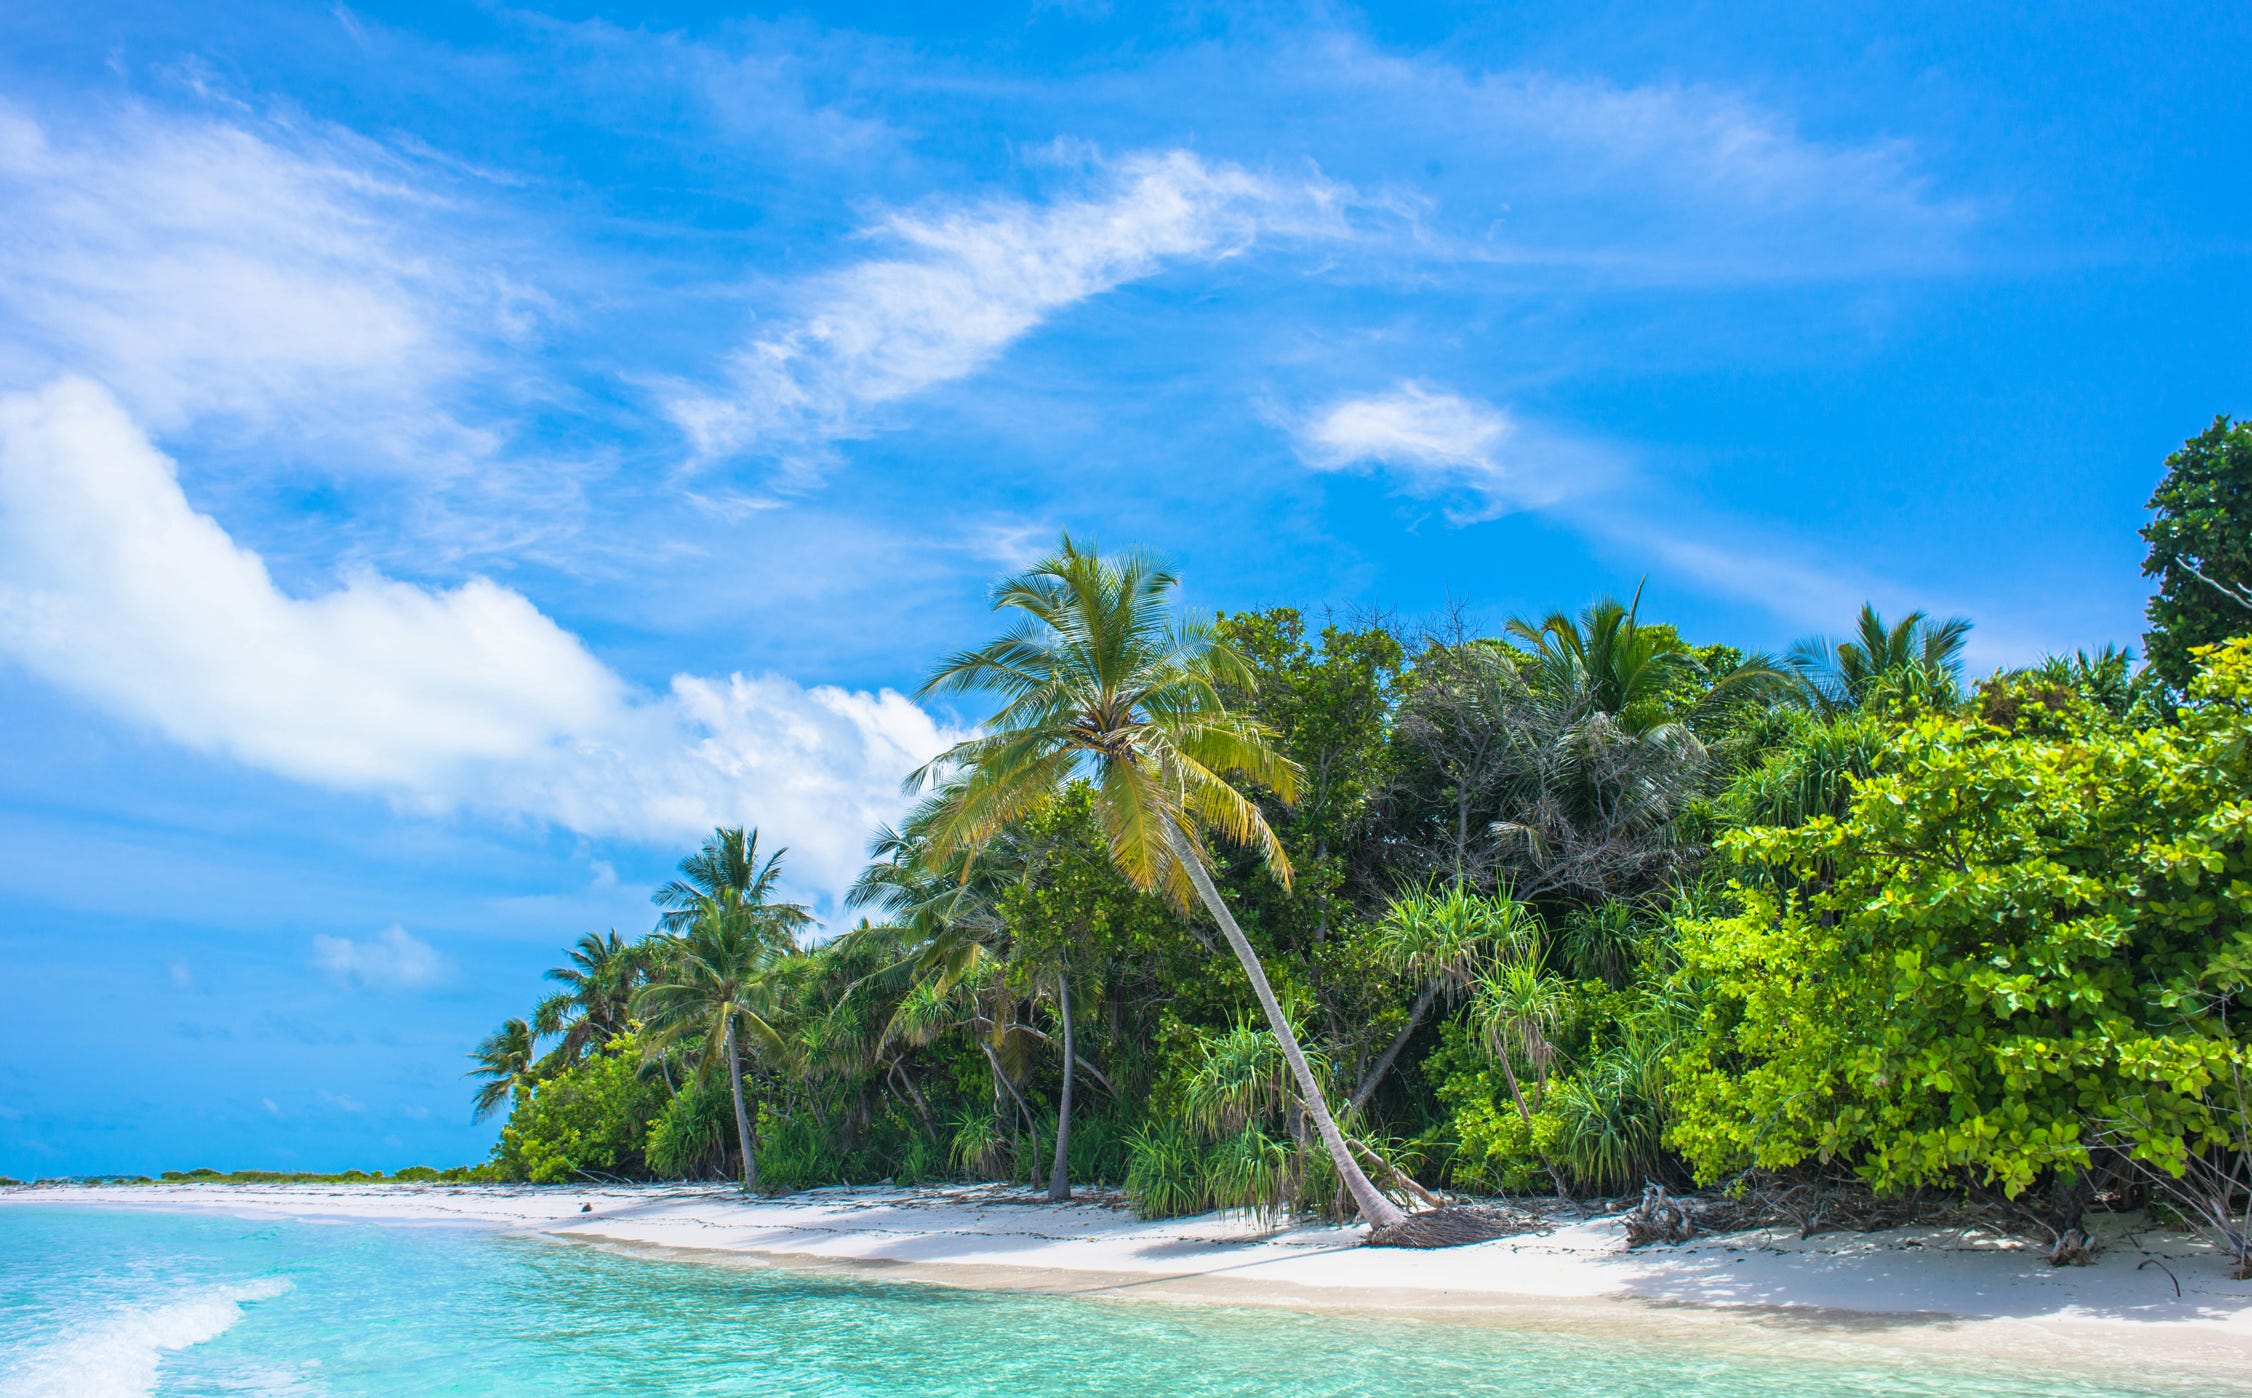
(98, 1302)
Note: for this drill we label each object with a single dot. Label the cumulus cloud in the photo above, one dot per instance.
(114, 587)
(965, 283)
(1436, 444)
(393, 959)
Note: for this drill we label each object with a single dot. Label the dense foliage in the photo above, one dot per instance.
(2200, 538)
(2019, 942)
(1264, 914)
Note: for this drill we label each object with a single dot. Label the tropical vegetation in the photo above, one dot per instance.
(1333, 917)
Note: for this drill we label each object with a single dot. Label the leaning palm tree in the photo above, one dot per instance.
(504, 1061)
(713, 987)
(1100, 678)
(1919, 656)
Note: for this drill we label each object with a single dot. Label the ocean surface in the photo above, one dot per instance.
(100, 1302)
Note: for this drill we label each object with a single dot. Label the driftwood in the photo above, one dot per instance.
(1819, 1206)
(1456, 1225)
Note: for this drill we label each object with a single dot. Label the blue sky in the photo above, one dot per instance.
(450, 456)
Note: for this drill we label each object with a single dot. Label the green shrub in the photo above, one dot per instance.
(1610, 1120)
(979, 1147)
(1250, 1172)
(1099, 1148)
(591, 1119)
(2013, 943)
(798, 1152)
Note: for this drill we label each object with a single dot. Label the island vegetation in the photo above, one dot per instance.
(1317, 915)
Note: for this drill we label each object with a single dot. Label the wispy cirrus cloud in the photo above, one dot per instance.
(201, 266)
(1430, 443)
(1657, 181)
(962, 283)
(114, 587)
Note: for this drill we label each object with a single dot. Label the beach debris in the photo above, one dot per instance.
(1660, 1218)
(1456, 1225)
(2074, 1248)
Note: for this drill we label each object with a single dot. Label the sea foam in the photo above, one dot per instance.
(114, 1352)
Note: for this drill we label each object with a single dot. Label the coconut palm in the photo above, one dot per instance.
(712, 987)
(717, 963)
(1101, 678)
(504, 1060)
(598, 981)
(1603, 750)
(1643, 679)
(1916, 657)
(727, 870)
(944, 932)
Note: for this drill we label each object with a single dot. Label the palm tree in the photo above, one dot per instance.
(715, 978)
(711, 988)
(598, 984)
(1517, 1007)
(1920, 656)
(504, 1060)
(1643, 679)
(944, 931)
(727, 870)
(1447, 938)
(1604, 750)
(1101, 678)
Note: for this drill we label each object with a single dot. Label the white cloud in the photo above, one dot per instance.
(1766, 572)
(199, 267)
(967, 282)
(114, 587)
(1662, 180)
(393, 959)
(1437, 444)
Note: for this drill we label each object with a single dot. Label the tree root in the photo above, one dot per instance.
(1456, 1225)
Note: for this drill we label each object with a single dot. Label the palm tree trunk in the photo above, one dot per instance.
(1525, 1114)
(1374, 1207)
(1001, 1080)
(742, 1120)
(1367, 1089)
(1059, 1177)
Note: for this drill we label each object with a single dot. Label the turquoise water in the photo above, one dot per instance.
(96, 1302)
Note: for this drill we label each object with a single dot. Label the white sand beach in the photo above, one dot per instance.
(1924, 1288)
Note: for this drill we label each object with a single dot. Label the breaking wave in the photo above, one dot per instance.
(114, 1353)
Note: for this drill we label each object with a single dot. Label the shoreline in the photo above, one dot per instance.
(1932, 1291)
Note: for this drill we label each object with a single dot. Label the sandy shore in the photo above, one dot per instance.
(1927, 1289)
